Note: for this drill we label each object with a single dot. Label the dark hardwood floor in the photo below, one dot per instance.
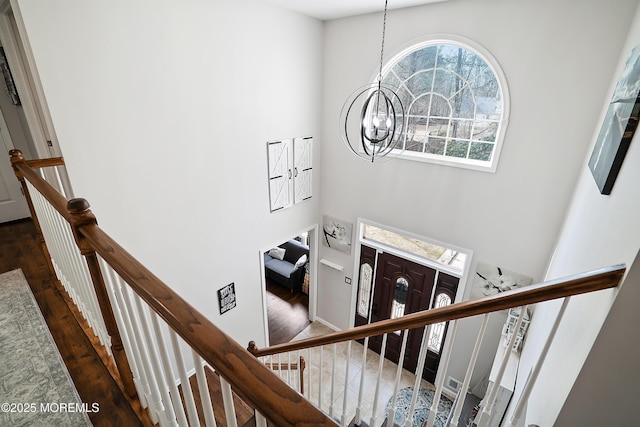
(287, 312)
(20, 248)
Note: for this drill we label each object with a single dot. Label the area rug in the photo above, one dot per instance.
(35, 386)
(423, 403)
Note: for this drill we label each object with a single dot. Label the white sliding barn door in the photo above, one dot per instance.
(290, 171)
(303, 168)
(280, 174)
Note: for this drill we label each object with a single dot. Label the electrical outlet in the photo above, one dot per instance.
(347, 280)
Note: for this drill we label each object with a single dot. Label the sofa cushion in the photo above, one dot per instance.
(283, 268)
(294, 250)
(277, 253)
(301, 261)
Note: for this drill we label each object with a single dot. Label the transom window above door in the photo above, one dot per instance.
(456, 103)
(449, 258)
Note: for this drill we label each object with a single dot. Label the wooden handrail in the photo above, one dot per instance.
(45, 163)
(603, 278)
(24, 171)
(276, 401)
(272, 397)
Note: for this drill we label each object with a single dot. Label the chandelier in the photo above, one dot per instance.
(373, 117)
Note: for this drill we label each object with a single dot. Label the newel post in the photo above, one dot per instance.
(82, 216)
(18, 158)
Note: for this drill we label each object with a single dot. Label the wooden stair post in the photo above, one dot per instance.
(81, 216)
(18, 157)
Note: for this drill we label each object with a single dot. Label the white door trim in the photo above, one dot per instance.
(20, 56)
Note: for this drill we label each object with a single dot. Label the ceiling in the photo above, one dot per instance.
(332, 9)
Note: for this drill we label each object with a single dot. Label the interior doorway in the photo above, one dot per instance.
(288, 274)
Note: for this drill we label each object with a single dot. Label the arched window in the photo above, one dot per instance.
(456, 103)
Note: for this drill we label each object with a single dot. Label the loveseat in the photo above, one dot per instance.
(285, 264)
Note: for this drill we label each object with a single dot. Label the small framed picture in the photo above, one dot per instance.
(227, 298)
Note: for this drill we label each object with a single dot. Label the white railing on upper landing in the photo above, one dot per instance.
(69, 265)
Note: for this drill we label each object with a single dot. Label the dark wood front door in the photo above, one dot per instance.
(401, 287)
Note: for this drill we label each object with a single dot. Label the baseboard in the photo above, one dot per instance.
(327, 324)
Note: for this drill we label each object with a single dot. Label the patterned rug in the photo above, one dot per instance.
(35, 386)
(421, 413)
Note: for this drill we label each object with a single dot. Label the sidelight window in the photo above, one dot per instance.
(437, 331)
(364, 289)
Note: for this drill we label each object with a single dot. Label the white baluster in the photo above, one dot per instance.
(168, 414)
(491, 399)
(333, 380)
(153, 397)
(203, 388)
(123, 327)
(444, 366)
(261, 421)
(189, 401)
(374, 410)
(289, 369)
(467, 377)
(298, 378)
(345, 397)
(140, 376)
(358, 418)
(168, 372)
(533, 376)
(320, 378)
(394, 399)
(227, 400)
(419, 369)
(310, 361)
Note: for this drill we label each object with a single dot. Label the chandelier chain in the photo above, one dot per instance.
(384, 29)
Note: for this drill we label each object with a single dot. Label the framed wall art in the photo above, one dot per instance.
(491, 280)
(337, 234)
(619, 126)
(227, 298)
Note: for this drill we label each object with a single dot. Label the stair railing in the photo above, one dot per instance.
(358, 363)
(148, 328)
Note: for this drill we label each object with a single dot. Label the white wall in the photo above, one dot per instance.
(558, 58)
(163, 110)
(598, 231)
(607, 390)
